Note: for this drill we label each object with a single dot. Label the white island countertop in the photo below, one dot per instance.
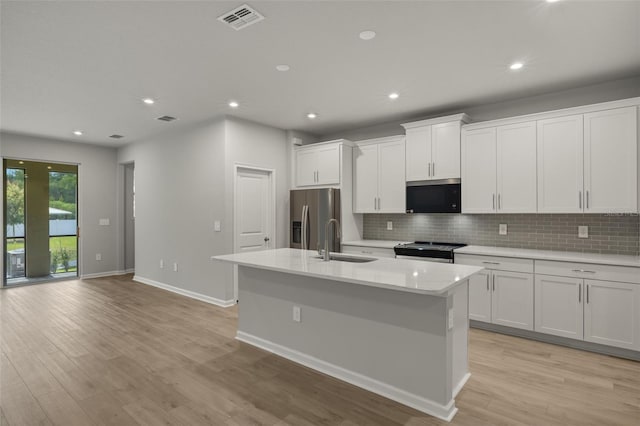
(413, 276)
(560, 256)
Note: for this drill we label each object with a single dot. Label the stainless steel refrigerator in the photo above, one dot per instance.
(310, 211)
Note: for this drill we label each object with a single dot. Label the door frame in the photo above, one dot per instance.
(237, 167)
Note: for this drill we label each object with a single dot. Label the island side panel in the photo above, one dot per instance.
(397, 338)
(459, 302)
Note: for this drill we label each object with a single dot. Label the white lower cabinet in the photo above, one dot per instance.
(502, 297)
(612, 314)
(604, 312)
(558, 306)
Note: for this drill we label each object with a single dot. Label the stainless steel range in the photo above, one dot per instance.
(426, 250)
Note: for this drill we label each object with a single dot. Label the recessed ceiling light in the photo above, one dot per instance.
(551, 1)
(516, 66)
(77, 132)
(148, 101)
(312, 115)
(234, 104)
(367, 35)
(283, 67)
(393, 96)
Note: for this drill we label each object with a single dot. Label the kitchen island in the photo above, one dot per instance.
(395, 327)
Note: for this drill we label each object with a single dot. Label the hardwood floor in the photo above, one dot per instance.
(113, 352)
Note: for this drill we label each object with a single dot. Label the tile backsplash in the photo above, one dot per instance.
(611, 234)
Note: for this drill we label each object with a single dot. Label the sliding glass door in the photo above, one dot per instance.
(41, 241)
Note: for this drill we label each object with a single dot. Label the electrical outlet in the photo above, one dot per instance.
(98, 256)
(583, 232)
(175, 267)
(296, 313)
(389, 225)
(502, 229)
(216, 226)
(104, 222)
(161, 264)
(450, 319)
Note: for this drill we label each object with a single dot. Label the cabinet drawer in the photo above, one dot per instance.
(587, 270)
(496, 263)
(369, 251)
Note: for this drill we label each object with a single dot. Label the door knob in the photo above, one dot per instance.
(266, 239)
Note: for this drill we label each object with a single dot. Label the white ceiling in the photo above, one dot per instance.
(87, 65)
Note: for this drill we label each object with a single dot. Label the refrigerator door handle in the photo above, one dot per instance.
(303, 230)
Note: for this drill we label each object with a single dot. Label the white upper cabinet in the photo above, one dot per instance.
(445, 150)
(318, 165)
(611, 161)
(560, 165)
(433, 148)
(418, 151)
(379, 176)
(516, 173)
(499, 169)
(589, 163)
(479, 171)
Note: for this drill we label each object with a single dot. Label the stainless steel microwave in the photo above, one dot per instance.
(442, 196)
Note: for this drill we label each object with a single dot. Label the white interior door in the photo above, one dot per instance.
(254, 213)
(254, 210)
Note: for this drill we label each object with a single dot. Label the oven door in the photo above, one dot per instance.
(426, 259)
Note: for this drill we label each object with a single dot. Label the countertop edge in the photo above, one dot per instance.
(550, 255)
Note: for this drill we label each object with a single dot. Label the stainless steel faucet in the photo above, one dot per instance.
(327, 257)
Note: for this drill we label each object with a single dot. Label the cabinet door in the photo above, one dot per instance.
(306, 160)
(445, 150)
(365, 185)
(611, 161)
(558, 306)
(479, 171)
(560, 165)
(418, 153)
(512, 299)
(612, 314)
(328, 165)
(392, 186)
(516, 168)
(480, 296)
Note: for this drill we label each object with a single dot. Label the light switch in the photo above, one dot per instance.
(502, 229)
(389, 225)
(583, 232)
(216, 226)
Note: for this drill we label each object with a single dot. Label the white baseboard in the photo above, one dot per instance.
(460, 385)
(444, 412)
(188, 293)
(102, 274)
(130, 270)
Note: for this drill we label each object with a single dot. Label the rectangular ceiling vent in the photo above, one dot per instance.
(241, 17)
(116, 136)
(166, 118)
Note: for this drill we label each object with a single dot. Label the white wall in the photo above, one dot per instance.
(184, 182)
(585, 95)
(96, 193)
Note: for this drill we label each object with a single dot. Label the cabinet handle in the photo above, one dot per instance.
(580, 200)
(499, 202)
(588, 294)
(494, 201)
(587, 199)
(429, 172)
(378, 203)
(583, 271)
(433, 168)
(494, 283)
(491, 263)
(579, 293)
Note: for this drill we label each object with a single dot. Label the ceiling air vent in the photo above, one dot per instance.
(166, 118)
(116, 136)
(241, 17)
